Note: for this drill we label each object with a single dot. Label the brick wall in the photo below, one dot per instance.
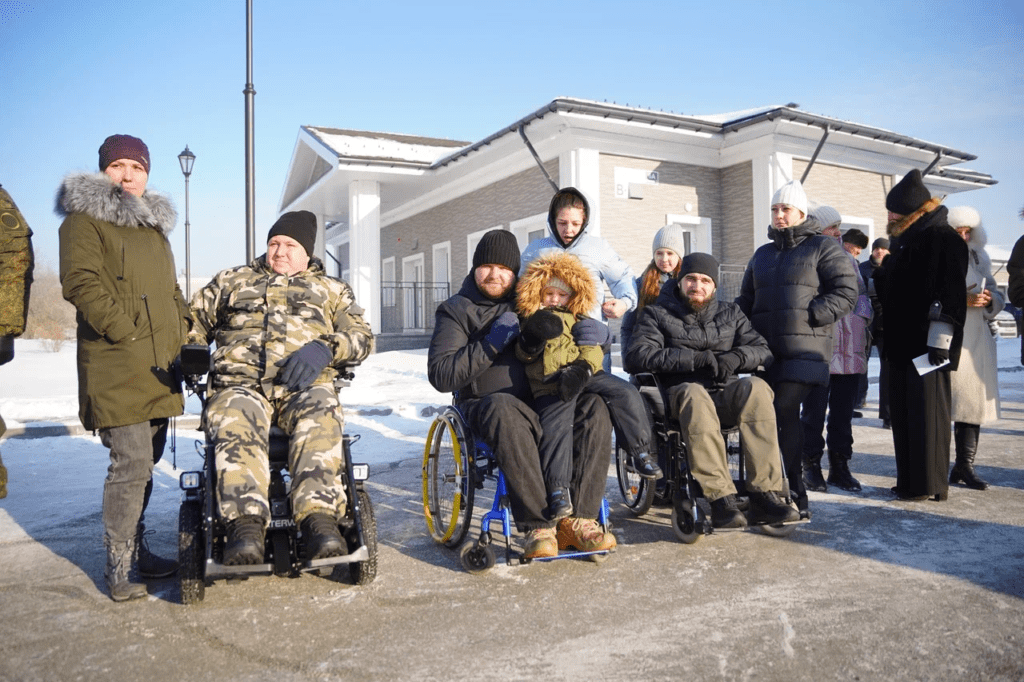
(733, 235)
(851, 192)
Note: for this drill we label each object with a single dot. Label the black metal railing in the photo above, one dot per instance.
(410, 306)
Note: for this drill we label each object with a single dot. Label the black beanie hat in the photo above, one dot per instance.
(498, 247)
(907, 195)
(702, 263)
(300, 226)
(855, 237)
(880, 243)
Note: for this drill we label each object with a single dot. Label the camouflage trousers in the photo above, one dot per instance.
(238, 422)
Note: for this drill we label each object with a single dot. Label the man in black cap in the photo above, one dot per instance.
(472, 354)
(697, 345)
(879, 250)
(282, 328)
(922, 289)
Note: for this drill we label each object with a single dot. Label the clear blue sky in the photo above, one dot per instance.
(73, 72)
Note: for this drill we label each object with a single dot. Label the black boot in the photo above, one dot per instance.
(150, 565)
(839, 473)
(323, 539)
(645, 466)
(965, 436)
(120, 573)
(244, 545)
(813, 480)
(559, 505)
(725, 513)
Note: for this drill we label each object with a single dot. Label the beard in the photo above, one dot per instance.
(696, 306)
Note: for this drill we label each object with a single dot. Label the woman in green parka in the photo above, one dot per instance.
(117, 269)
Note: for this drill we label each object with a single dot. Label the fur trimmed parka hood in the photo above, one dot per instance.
(565, 267)
(99, 197)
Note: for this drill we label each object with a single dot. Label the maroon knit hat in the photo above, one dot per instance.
(123, 147)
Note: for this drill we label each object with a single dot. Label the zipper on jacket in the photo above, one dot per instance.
(152, 334)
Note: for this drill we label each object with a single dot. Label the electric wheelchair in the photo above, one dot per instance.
(678, 488)
(455, 466)
(202, 533)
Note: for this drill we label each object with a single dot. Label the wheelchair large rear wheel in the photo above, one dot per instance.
(637, 492)
(364, 572)
(448, 486)
(191, 555)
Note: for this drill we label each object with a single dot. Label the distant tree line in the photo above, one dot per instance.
(50, 317)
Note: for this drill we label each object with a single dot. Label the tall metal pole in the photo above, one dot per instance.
(250, 162)
(188, 250)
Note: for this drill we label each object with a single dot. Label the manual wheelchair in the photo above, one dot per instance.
(678, 488)
(455, 466)
(202, 533)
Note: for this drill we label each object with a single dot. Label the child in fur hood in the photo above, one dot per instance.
(562, 349)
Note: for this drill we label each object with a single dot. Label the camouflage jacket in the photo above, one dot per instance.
(16, 264)
(258, 318)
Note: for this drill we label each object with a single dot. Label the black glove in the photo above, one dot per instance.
(937, 356)
(590, 332)
(727, 365)
(573, 378)
(6, 349)
(302, 367)
(503, 331)
(542, 326)
(705, 358)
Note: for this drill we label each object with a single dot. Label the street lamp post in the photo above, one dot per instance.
(186, 159)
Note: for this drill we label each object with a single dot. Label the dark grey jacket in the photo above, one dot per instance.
(460, 360)
(668, 333)
(794, 288)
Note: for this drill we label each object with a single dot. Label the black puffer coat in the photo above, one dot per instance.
(460, 360)
(793, 290)
(927, 262)
(668, 334)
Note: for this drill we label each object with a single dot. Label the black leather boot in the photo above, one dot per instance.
(839, 473)
(813, 479)
(965, 437)
(323, 539)
(244, 545)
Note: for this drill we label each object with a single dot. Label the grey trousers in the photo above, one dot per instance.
(134, 450)
(745, 403)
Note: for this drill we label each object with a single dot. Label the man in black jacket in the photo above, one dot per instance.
(922, 287)
(697, 344)
(472, 353)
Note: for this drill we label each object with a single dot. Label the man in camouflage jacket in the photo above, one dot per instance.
(15, 281)
(281, 326)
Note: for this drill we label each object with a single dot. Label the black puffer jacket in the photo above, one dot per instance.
(460, 360)
(668, 334)
(793, 290)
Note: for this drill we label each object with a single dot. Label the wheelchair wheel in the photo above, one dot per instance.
(637, 492)
(191, 557)
(477, 557)
(686, 529)
(448, 487)
(363, 573)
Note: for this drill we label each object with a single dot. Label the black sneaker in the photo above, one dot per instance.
(645, 467)
(725, 513)
(770, 508)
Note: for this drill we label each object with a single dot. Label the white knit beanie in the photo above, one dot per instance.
(826, 216)
(791, 194)
(670, 237)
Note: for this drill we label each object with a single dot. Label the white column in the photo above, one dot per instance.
(364, 247)
(771, 171)
(580, 168)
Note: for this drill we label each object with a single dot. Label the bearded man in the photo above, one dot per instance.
(697, 345)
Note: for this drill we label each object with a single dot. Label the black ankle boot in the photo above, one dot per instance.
(813, 479)
(839, 473)
(965, 437)
(645, 466)
(559, 505)
(244, 545)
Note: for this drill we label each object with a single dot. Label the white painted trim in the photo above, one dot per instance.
(521, 228)
(444, 247)
(698, 227)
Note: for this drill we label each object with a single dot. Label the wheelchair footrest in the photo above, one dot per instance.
(361, 554)
(565, 555)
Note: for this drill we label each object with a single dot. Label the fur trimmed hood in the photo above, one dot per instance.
(900, 227)
(99, 197)
(565, 267)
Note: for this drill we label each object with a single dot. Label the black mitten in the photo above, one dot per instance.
(705, 358)
(542, 326)
(937, 356)
(573, 378)
(728, 363)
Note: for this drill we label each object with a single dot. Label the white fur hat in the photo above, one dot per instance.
(963, 216)
(826, 216)
(791, 194)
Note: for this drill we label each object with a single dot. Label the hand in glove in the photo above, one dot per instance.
(937, 356)
(728, 363)
(503, 331)
(705, 358)
(573, 378)
(302, 367)
(542, 326)
(6, 349)
(590, 332)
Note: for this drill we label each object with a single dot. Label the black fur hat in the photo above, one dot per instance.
(907, 195)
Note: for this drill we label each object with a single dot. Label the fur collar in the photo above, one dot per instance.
(97, 196)
(565, 267)
(908, 220)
